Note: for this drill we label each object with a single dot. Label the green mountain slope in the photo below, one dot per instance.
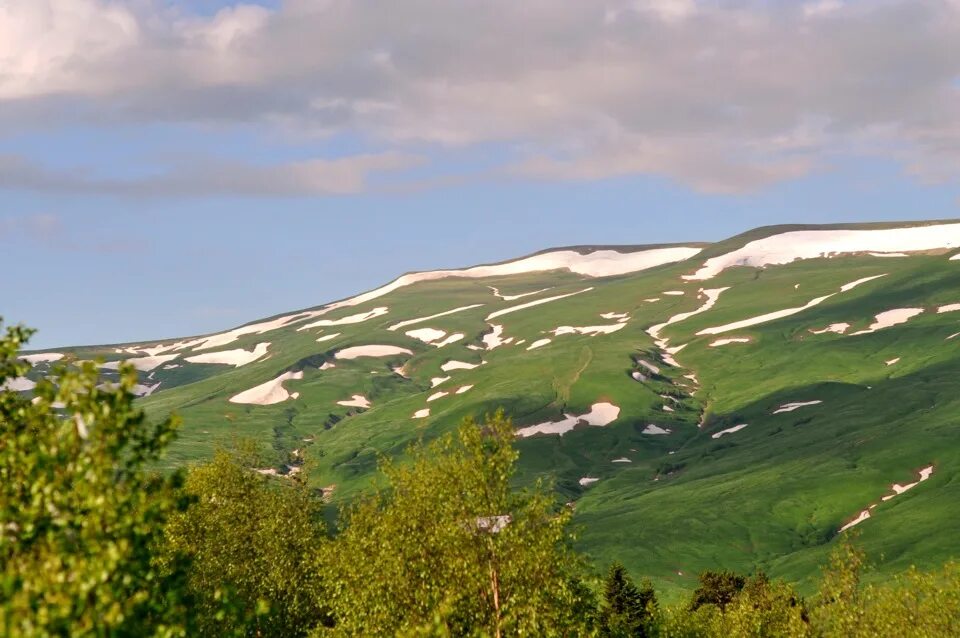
(726, 405)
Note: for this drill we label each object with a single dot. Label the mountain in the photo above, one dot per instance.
(734, 405)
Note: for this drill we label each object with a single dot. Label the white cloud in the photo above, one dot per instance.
(721, 96)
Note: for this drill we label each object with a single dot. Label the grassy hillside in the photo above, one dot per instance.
(878, 407)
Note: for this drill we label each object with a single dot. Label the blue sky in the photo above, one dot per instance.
(169, 169)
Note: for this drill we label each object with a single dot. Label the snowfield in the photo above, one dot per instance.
(784, 248)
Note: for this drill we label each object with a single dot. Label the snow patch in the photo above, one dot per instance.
(838, 328)
(736, 428)
(539, 343)
(357, 318)
(356, 401)
(723, 342)
(410, 322)
(790, 407)
(457, 365)
(455, 337)
(18, 384)
(437, 395)
(328, 337)
(890, 362)
(675, 293)
(531, 304)
(371, 351)
(588, 330)
(622, 459)
(267, 393)
(427, 335)
(435, 381)
(45, 357)
(864, 515)
(463, 388)
(587, 480)
(421, 414)
(953, 307)
(236, 358)
(600, 414)
(493, 339)
(655, 430)
(615, 315)
(144, 364)
(711, 295)
(496, 293)
(898, 489)
(889, 318)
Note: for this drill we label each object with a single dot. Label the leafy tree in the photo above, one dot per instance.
(717, 588)
(447, 546)
(627, 608)
(79, 513)
(253, 542)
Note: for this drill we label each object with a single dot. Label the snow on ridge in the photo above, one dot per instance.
(598, 263)
(236, 358)
(784, 248)
(269, 392)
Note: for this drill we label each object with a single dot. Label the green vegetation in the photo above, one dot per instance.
(95, 544)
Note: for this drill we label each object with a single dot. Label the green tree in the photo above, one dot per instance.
(627, 609)
(254, 543)
(447, 546)
(79, 513)
(717, 588)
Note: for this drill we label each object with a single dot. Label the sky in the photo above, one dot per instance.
(170, 168)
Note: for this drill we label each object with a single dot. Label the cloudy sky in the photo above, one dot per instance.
(174, 167)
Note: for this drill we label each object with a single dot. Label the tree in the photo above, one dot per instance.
(717, 588)
(447, 546)
(627, 609)
(254, 542)
(80, 515)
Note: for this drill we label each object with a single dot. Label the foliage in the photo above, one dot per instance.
(717, 588)
(449, 547)
(253, 542)
(79, 512)
(627, 609)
